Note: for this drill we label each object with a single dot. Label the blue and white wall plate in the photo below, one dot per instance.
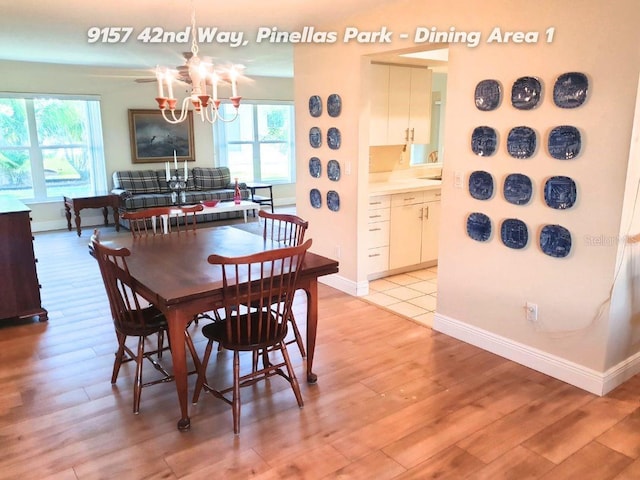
(488, 95)
(479, 226)
(315, 137)
(481, 185)
(514, 233)
(484, 141)
(315, 197)
(564, 142)
(334, 105)
(526, 93)
(570, 90)
(334, 138)
(333, 170)
(315, 167)
(521, 142)
(555, 241)
(315, 105)
(517, 189)
(333, 200)
(560, 192)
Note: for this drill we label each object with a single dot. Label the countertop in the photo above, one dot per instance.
(403, 185)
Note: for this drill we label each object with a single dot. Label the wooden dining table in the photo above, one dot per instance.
(172, 272)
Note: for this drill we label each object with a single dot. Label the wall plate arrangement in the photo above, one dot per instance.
(555, 241)
(479, 227)
(481, 185)
(560, 192)
(333, 170)
(488, 95)
(315, 137)
(517, 189)
(315, 105)
(521, 142)
(564, 142)
(334, 105)
(315, 198)
(315, 167)
(526, 93)
(570, 90)
(333, 200)
(334, 138)
(514, 233)
(484, 141)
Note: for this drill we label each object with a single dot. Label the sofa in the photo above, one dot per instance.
(140, 189)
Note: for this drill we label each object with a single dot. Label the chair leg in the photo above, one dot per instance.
(192, 349)
(292, 375)
(202, 374)
(235, 405)
(119, 357)
(137, 386)
(296, 333)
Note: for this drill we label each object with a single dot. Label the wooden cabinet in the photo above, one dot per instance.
(20, 292)
(400, 105)
(378, 234)
(414, 220)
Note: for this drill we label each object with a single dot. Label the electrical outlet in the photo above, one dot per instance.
(337, 250)
(532, 312)
(458, 179)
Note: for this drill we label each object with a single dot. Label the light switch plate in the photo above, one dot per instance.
(458, 178)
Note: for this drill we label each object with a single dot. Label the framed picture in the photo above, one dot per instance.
(153, 139)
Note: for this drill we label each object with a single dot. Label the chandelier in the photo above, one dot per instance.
(201, 75)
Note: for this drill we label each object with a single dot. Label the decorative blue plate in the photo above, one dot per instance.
(526, 93)
(479, 226)
(315, 167)
(560, 192)
(521, 142)
(481, 185)
(570, 90)
(315, 137)
(517, 189)
(488, 95)
(315, 105)
(334, 139)
(555, 241)
(333, 200)
(514, 233)
(333, 170)
(484, 141)
(315, 198)
(334, 105)
(564, 142)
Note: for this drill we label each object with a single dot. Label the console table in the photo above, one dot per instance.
(96, 201)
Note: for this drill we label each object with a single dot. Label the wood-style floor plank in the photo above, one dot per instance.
(394, 401)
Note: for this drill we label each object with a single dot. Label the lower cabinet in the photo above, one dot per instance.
(378, 234)
(413, 224)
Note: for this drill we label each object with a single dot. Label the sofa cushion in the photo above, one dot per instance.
(211, 178)
(137, 181)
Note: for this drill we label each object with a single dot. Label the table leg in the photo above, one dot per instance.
(67, 213)
(244, 212)
(78, 220)
(311, 288)
(105, 213)
(116, 218)
(177, 323)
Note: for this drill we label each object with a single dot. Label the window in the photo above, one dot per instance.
(259, 145)
(50, 146)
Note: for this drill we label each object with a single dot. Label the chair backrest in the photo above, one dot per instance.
(286, 228)
(266, 281)
(125, 303)
(157, 220)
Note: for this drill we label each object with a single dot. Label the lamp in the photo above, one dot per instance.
(200, 74)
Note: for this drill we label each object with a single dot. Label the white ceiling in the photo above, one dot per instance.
(56, 31)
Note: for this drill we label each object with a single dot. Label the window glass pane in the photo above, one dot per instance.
(273, 122)
(241, 129)
(15, 173)
(13, 123)
(240, 161)
(275, 164)
(60, 122)
(66, 171)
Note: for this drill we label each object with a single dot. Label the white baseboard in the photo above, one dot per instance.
(598, 383)
(345, 285)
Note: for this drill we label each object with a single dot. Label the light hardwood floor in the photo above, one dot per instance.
(394, 400)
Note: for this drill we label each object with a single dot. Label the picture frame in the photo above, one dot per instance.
(153, 139)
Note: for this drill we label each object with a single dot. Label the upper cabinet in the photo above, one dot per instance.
(400, 105)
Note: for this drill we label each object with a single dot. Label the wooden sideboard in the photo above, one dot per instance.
(20, 292)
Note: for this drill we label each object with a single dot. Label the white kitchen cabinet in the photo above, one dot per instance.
(400, 105)
(413, 223)
(378, 234)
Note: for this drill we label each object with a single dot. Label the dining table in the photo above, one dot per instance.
(172, 272)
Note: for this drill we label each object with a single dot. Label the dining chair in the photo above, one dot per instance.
(257, 280)
(288, 229)
(132, 317)
(158, 220)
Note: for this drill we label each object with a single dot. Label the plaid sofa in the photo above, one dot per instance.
(140, 189)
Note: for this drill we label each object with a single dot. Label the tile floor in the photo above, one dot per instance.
(411, 294)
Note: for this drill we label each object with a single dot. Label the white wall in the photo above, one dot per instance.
(483, 287)
(119, 92)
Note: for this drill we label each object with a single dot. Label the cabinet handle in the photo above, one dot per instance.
(421, 213)
(371, 255)
(406, 134)
(409, 199)
(412, 132)
(375, 216)
(427, 217)
(375, 229)
(375, 203)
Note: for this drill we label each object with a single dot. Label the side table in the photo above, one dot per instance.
(96, 201)
(261, 199)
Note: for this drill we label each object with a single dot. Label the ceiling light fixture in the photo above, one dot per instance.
(201, 75)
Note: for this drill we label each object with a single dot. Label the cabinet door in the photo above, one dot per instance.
(379, 107)
(399, 102)
(405, 237)
(430, 227)
(420, 106)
